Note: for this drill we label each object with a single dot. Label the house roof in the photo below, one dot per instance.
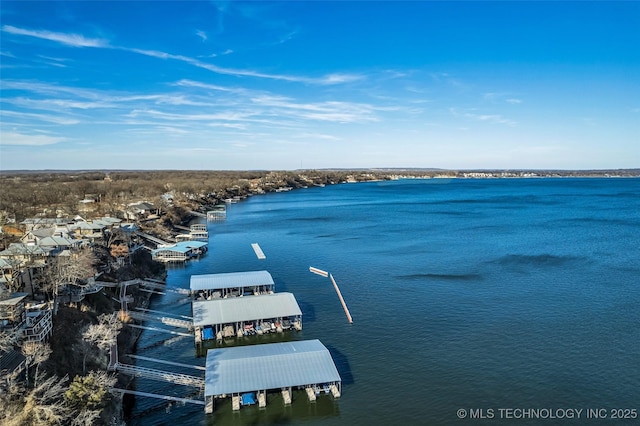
(87, 226)
(230, 280)
(236, 309)
(56, 242)
(143, 205)
(112, 220)
(129, 227)
(17, 249)
(42, 232)
(8, 263)
(45, 221)
(268, 366)
(13, 299)
(10, 360)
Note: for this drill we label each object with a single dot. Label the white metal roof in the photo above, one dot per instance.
(230, 280)
(247, 308)
(268, 366)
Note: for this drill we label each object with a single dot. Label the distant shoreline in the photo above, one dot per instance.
(409, 171)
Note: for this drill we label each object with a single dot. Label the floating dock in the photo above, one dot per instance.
(259, 253)
(279, 367)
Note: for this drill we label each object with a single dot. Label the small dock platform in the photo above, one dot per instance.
(259, 253)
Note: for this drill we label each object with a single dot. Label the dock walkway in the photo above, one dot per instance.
(159, 375)
(174, 322)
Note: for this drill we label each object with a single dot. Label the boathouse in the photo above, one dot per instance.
(219, 212)
(179, 252)
(242, 316)
(242, 372)
(215, 286)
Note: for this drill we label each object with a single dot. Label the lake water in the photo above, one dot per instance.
(465, 294)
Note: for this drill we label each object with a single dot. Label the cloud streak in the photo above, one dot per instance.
(488, 118)
(76, 40)
(73, 40)
(21, 139)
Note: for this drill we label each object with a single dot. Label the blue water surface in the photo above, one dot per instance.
(465, 294)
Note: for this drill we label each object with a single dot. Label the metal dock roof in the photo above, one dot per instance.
(236, 309)
(230, 280)
(268, 366)
(181, 247)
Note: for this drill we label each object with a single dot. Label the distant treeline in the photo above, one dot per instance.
(27, 193)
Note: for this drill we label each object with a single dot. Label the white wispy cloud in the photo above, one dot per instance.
(501, 97)
(202, 35)
(323, 111)
(489, 118)
(56, 119)
(221, 116)
(74, 40)
(14, 138)
(208, 86)
(321, 136)
(49, 89)
(56, 104)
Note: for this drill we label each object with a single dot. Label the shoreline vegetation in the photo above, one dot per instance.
(155, 202)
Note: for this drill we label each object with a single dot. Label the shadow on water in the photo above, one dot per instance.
(521, 262)
(342, 364)
(308, 312)
(276, 413)
(441, 277)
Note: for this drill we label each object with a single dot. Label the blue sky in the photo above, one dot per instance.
(317, 84)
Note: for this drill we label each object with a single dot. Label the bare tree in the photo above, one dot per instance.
(103, 335)
(36, 353)
(6, 341)
(86, 418)
(43, 404)
(61, 271)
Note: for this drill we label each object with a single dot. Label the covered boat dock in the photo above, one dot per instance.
(242, 316)
(179, 252)
(216, 286)
(238, 371)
